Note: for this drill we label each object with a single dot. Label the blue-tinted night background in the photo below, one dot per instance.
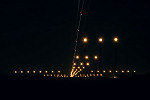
(42, 33)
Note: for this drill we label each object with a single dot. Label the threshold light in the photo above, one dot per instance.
(85, 40)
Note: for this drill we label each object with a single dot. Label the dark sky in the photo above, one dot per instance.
(42, 33)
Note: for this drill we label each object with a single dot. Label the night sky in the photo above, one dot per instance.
(42, 33)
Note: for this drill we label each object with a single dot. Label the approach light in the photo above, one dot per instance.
(27, 71)
(87, 64)
(21, 72)
(15, 72)
(86, 57)
(74, 63)
(77, 57)
(34, 71)
(95, 57)
(115, 39)
(81, 63)
(100, 39)
(46, 71)
(85, 40)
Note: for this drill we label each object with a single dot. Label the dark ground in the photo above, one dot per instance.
(69, 88)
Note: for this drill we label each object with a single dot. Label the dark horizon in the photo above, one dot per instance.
(43, 33)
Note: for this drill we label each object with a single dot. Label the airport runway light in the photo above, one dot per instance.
(44, 74)
(101, 74)
(104, 71)
(83, 67)
(134, 71)
(85, 40)
(74, 63)
(87, 64)
(110, 71)
(91, 71)
(116, 71)
(40, 71)
(52, 71)
(28, 72)
(86, 57)
(15, 72)
(59, 71)
(95, 57)
(122, 71)
(46, 71)
(97, 71)
(77, 57)
(47, 74)
(115, 39)
(81, 63)
(34, 71)
(128, 71)
(73, 67)
(21, 72)
(100, 40)
(78, 67)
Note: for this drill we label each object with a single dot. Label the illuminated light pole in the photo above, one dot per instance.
(116, 40)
